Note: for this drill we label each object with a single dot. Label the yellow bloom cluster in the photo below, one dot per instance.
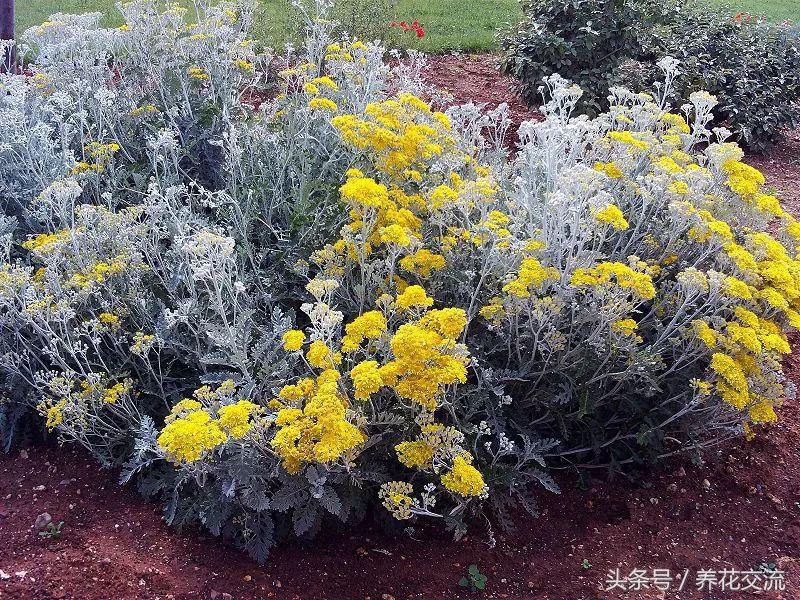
(414, 296)
(190, 431)
(198, 73)
(235, 418)
(402, 133)
(293, 340)
(186, 439)
(624, 276)
(531, 275)
(319, 431)
(464, 479)
(423, 262)
(369, 326)
(112, 394)
(424, 362)
(613, 216)
(396, 498)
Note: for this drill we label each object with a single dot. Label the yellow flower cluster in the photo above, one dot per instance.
(190, 431)
(424, 361)
(186, 439)
(531, 275)
(464, 479)
(319, 431)
(423, 262)
(369, 326)
(401, 133)
(613, 216)
(293, 340)
(235, 418)
(621, 274)
(396, 498)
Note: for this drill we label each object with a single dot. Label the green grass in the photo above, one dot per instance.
(774, 10)
(449, 24)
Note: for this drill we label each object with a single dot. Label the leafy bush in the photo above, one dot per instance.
(582, 40)
(345, 301)
(751, 66)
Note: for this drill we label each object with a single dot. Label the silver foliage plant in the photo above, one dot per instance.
(184, 214)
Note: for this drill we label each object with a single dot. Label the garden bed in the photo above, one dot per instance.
(738, 511)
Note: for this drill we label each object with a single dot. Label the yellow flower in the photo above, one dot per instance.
(55, 415)
(198, 74)
(187, 438)
(705, 333)
(293, 340)
(625, 326)
(366, 379)
(531, 274)
(371, 325)
(326, 82)
(323, 104)
(414, 296)
(613, 216)
(235, 418)
(319, 355)
(423, 262)
(625, 277)
(464, 479)
(610, 168)
(109, 319)
(320, 431)
(396, 499)
(112, 394)
(394, 234)
(447, 322)
(415, 454)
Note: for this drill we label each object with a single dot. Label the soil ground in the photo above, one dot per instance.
(740, 510)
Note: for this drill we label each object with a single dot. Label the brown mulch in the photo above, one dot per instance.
(476, 78)
(738, 510)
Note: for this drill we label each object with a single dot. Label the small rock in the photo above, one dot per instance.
(42, 521)
(227, 596)
(706, 484)
(214, 594)
(248, 578)
(39, 488)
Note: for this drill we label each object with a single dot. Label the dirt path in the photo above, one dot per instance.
(740, 510)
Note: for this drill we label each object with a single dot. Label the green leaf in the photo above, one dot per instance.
(473, 570)
(480, 583)
(464, 582)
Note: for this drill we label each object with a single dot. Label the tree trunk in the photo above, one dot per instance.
(8, 58)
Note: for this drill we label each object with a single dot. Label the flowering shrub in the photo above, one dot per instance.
(751, 66)
(347, 300)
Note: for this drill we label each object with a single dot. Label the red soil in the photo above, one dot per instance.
(738, 510)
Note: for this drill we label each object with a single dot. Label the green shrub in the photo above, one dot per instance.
(752, 67)
(581, 40)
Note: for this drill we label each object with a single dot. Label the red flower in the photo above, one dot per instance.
(404, 25)
(392, 23)
(420, 32)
